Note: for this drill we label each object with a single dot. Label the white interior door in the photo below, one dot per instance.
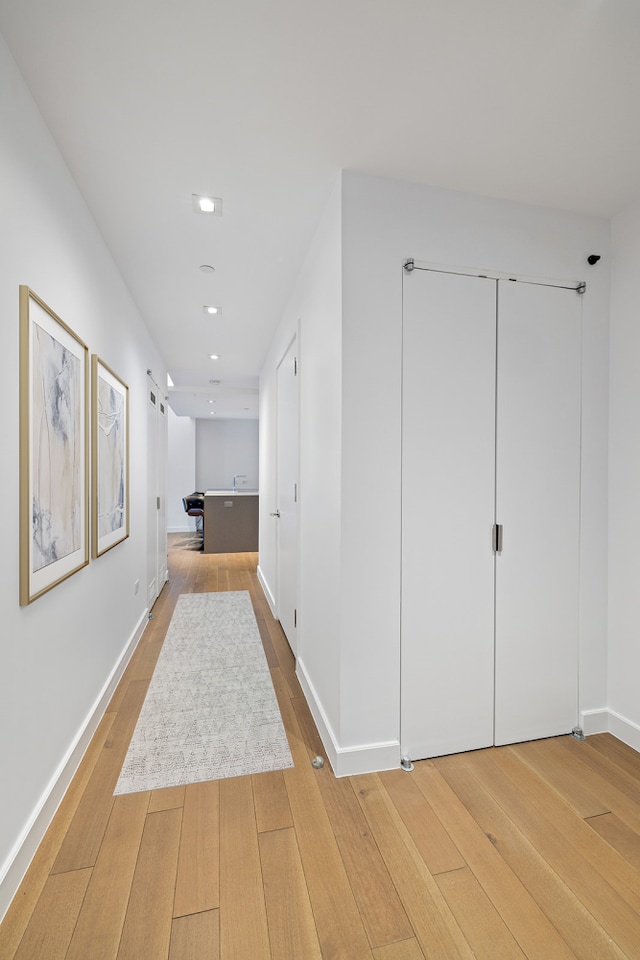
(156, 492)
(161, 479)
(538, 505)
(287, 493)
(152, 507)
(448, 470)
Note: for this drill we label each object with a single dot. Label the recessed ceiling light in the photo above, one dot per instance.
(207, 268)
(212, 413)
(214, 356)
(212, 310)
(211, 205)
(211, 401)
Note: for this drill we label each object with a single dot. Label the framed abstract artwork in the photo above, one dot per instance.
(54, 449)
(109, 458)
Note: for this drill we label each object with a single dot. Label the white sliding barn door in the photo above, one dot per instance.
(538, 505)
(448, 468)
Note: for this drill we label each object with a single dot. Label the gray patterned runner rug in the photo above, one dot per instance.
(211, 711)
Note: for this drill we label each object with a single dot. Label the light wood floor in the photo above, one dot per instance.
(525, 851)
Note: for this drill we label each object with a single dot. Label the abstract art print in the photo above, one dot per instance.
(109, 458)
(54, 461)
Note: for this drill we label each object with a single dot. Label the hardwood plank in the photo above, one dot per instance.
(205, 577)
(403, 950)
(99, 927)
(235, 574)
(480, 922)
(577, 926)
(271, 801)
(590, 761)
(251, 583)
(382, 913)
(550, 761)
(292, 931)
(524, 918)
(49, 932)
(166, 799)
(602, 858)
(198, 878)
(286, 660)
(269, 651)
(624, 756)
(147, 927)
(23, 904)
(196, 937)
(293, 684)
(307, 727)
(243, 919)
(435, 927)
(562, 838)
(86, 831)
(340, 929)
(142, 665)
(619, 836)
(434, 843)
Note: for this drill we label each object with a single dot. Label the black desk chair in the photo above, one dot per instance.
(194, 507)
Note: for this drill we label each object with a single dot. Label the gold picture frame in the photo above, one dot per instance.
(54, 449)
(109, 458)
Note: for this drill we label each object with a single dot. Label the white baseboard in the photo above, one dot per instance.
(624, 730)
(608, 721)
(15, 866)
(594, 721)
(347, 761)
(267, 592)
(184, 528)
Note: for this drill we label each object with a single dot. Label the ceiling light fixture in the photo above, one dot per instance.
(214, 356)
(210, 205)
(212, 310)
(207, 268)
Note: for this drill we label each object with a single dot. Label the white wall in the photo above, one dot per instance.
(314, 314)
(57, 654)
(383, 223)
(225, 448)
(350, 434)
(624, 481)
(181, 471)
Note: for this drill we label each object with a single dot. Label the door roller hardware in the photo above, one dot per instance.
(496, 538)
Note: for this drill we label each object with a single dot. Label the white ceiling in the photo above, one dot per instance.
(262, 102)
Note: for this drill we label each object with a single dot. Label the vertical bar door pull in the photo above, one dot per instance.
(496, 538)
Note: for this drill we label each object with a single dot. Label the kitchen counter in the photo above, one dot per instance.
(235, 493)
(231, 521)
